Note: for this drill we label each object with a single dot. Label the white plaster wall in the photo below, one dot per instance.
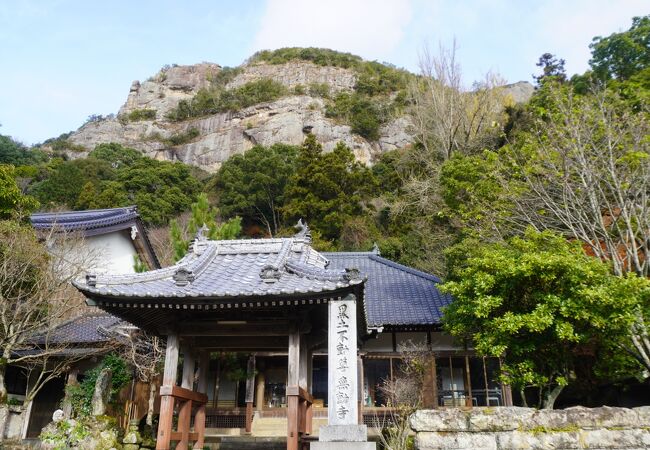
(383, 343)
(115, 252)
(409, 339)
(443, 341)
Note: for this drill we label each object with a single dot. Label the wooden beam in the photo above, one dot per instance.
(243, 343)
(183, 394)
(167, 401)
(214, 328)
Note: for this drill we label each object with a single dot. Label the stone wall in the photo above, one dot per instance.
(525, 428)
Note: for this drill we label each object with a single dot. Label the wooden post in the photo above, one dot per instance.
(250, 392)
(259, 400)
(309, 415)
(202, 386)
(434, 374)
(468, 383)
(167, 401)
(293, 378)
(185, 412)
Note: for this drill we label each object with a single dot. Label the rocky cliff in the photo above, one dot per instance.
(210, 140)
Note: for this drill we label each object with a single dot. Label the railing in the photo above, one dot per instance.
(479, 397)
(187, 398)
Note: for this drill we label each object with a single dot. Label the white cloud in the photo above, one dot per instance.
(370, 28)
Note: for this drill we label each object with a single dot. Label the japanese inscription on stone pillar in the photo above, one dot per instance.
(342, 362)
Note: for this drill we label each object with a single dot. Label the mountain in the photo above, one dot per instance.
(204, 113)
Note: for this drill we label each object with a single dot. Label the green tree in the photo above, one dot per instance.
(15, 153)
(621, 55)
(13, 204)
(116, 155)
(202, 215)
(252, 185)
(160, 189)
(551, 67)
(327, 188)
(67, 179)
(541, 302)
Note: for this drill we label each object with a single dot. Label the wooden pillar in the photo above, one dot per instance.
(468, 383)
(185, 411)
(259, 395)
(309, 415)
(293, 378)
(250, 392)
(167, 401)
(434, 374)
(201, 386)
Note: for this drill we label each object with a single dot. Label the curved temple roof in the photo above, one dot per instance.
(91, 222)
(231, 269)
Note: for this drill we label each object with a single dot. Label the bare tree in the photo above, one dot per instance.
(585, 172)
(35, 298)
(448, 117)
(146, 353)
(403, 395)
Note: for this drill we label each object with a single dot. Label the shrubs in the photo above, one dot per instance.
(216, 100)
(81, 395)
(318, 56)
(142, 114)
(183, 137)
(364, 114)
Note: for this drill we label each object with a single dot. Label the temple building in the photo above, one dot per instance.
(271, 329)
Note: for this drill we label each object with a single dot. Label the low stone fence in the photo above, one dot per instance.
(525, 428)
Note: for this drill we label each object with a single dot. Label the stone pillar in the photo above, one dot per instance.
(343, 429)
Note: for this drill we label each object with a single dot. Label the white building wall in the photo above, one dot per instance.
(114, 252)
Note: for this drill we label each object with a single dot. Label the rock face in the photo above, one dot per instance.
(163, 91)
(220, 136)
(286, 120)
(298, 73)
(525, 428)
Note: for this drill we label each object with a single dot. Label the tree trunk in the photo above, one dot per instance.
(4, 415)
(551, 396)
(524, 402)
(3, 386)
(152, 398)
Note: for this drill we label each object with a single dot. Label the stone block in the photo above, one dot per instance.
(343, 446)
(452, 441)
(498, 419)
(343, 433)
(440, 420)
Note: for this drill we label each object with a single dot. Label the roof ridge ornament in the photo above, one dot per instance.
(201, 233)
(352, 274)
(375, 249)
(183, 276)
(270, 273)
(303, 231)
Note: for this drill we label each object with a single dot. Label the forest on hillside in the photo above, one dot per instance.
(509, 202)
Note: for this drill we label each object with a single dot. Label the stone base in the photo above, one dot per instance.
(343, 433)
(343, 446)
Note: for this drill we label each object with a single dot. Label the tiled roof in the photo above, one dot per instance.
(90, 328)
(395, 295)
(229, 270)
(93, 221)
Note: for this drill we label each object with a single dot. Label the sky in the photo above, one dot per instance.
(64, 60)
